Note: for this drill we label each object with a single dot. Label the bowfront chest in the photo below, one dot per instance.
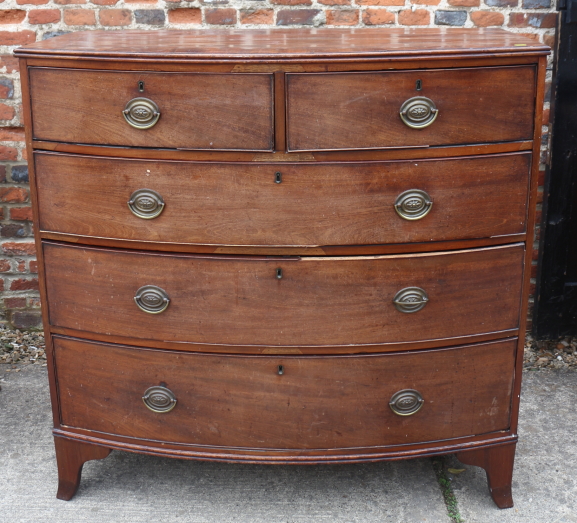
(285, 246)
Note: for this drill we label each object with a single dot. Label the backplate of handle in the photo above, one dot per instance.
(159, 399)
(146, 204)
(413, 204)
(419, 112)
(151, 299)
(406, 402)
(410, 299)
(141, 113)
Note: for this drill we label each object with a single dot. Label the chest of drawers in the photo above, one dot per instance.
(285, 246)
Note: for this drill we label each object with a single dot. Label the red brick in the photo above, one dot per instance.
(381, 2)
(15, 303)
(342, 17)
(1, 213)
(378, 17)
(12, 16)
(6, 112)
(297, 16)
(185, 16)
(5, 266)
(1, 285)
(24, 154)
(416, 17)
(12, 134)
(2, 180)
(79, 17)
(257, 16)
(34, 302)
(21, 267)
(549, 40)
(220, 16)
(538, 20)
(24, 285)
(69, 2)
(426, 2)
(13, 194)
(33, 266)
(140, 1)
(291, 2)
(10, 62)
(19, 249)
(43, 16)
(335, 2)
(21, 214)
(8, 153)
(26, 319)
(17, 37)
(104, 2)
(546, 116)
(115, 17)
(32, 2)
(487, 18)
(465, 3)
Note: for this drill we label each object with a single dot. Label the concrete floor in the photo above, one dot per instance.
(137, 489)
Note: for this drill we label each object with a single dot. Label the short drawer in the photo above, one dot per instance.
(328, 111)
(331, 402)
(283, 204)
(284, 301)
(196, 111)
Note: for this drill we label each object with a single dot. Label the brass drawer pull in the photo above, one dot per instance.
(146, 204)
(141, 113)
(159, 399)
(406, 402)
(418, 112)
(413, 204)
(151, 299)
(411, 299)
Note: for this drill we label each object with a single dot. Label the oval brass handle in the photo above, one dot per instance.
(406, 402)
(413, 204)
(151, 299)
(141, 113)
(419, 112)
(159, 399)
(146, 204)
(411, 299)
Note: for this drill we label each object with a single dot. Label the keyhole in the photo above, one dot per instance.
(277, 177)
(419, 85)
(279, 274)
(280, 370)
(141, 86)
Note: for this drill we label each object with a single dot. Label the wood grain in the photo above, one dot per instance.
(361, 110)
(318, 403)
(318, 301)
(198, 111)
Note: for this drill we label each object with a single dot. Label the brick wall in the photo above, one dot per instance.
(24, 21)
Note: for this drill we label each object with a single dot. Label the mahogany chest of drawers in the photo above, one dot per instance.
(285, 246)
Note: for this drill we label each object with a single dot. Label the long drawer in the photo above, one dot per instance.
(314, 403)
(196, 110)
(283, 204)
(284, 301)
(363, 110)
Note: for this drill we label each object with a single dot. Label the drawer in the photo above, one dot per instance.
(197, 111)
(314, 205)
(316, 301)
(327, 402)
(362, 110)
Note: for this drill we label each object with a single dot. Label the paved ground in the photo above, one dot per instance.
(140, 489)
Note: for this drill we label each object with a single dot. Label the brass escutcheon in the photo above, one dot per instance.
(141, 113)
(151, 299)
(159, 399)
(406, 402)
(419, 112)
(413, 204)
(146, 204)
(411, 299)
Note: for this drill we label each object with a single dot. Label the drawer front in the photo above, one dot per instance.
(362, 110)
(312, 301)
(317, 403)
(197, 111)
(313, 205)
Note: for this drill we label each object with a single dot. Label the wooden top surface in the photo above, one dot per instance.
(280, 45)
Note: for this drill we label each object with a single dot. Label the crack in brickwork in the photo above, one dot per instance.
(26, 21)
